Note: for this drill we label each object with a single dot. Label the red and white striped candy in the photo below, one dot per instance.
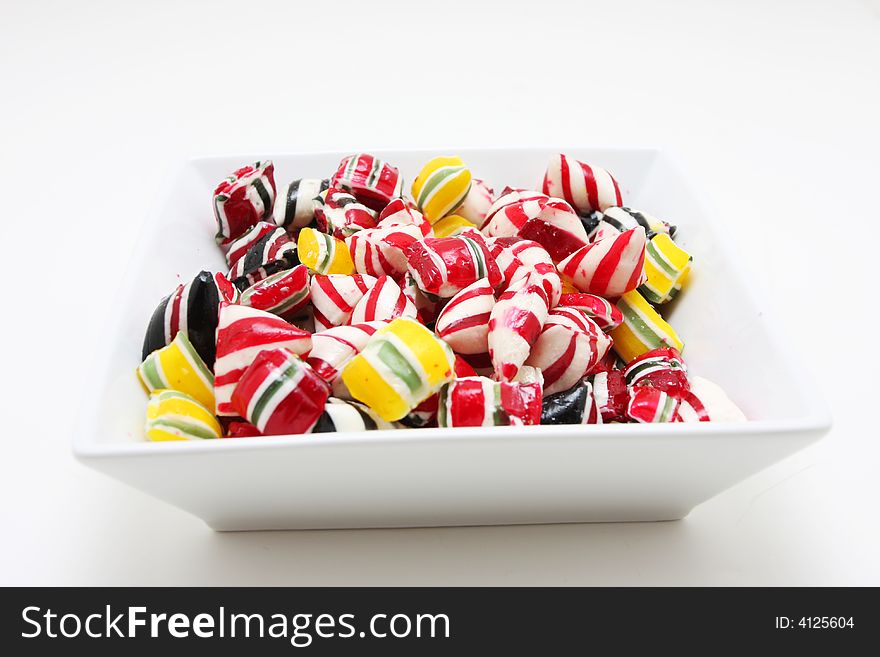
(242, 333)
(509, 219)
(691, 408)
(587, 188)
(464, 322)
(515, 323)
(279, 394)
(272, 252)
(334, 347)
(384, 301)
(338, 213)
(508, 197)
(478, 401)
(516, 256)
(335, 296)
(601, 311)
(243, 199)
(609, 268)
(374, 182)
(569, 346)
(611, 393)
(650, 405)
(238, 248)
(444, 267)
(557, 228)
(284, 294)
(382, 251)
(400, 213)
(476, 204)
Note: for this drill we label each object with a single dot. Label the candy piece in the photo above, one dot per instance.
(451, 225)
(642, 328)
(192, 309)
(173, 415)
(648, 404)
(296, 208)
(444, 267)
(334, 297)
(660, 368)
(516, 256)
(577, 405)
(476, 204)
(611, 393)
(373, 182)
(509, 219)
(400, 213)
(323, 254)
(384, 301)
(338, 213)
(707, 401)
(481, 364)
(242, 430)
(272, 253)
(585, 187)
(178, 367)
(441, 186)
(341, 415)
(604, 313)
(557, 228)
(284, 294)
(515, 323)
(243, 199)
(616, 220)
(280, 394)
(238, 248)
(242, 334)
(425, 414)
(608, 268)
(509, 197)
(382, 251)
(403, 364)
(667, 267)
(464, 322)
(568, 348)
(481, 402)
(334, 347)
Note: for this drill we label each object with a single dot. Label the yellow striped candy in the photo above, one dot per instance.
(403, 364)
(642, 329)
(451, 225)
(323, 254)
(179, 367)
(172, 415)
(667, 266)
(441, 187)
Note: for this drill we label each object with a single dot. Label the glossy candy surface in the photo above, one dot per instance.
(242, 199)
(242, 333)
(609, 268)
(586, 187)
(441, 186)
(323, 254)
(642, 330)
(193, 309)
(173, 415)
(402, 365)
(295, 207)
(280, 394)
(370, 179)
(178, 367)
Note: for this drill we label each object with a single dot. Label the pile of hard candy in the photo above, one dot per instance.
(350, 306)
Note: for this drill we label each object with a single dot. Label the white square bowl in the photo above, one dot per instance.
(429, 477)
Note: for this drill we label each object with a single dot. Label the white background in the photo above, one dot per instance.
(773, 108)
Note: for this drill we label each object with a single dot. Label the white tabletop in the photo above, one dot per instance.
(772, 107)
